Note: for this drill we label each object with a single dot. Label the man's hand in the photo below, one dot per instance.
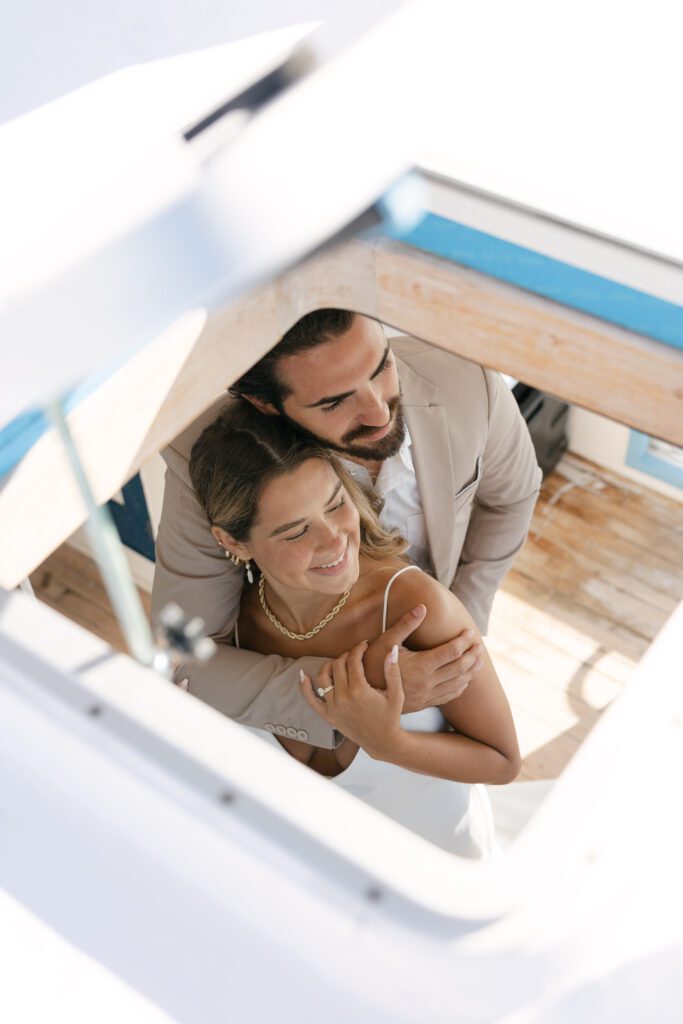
(430, 678)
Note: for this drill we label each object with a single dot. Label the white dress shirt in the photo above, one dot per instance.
(397, 486)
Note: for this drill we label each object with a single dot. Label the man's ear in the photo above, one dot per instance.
(267, 408)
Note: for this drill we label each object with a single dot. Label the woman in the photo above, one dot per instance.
(327, 579)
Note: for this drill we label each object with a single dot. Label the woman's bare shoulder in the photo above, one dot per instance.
(376, 573)
(446, 614)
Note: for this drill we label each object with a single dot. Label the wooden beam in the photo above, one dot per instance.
(584, 361)
(159, 392)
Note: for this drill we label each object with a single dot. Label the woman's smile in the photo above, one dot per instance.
(334, 567)
(308, 533)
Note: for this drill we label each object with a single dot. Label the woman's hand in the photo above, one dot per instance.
(369, 717)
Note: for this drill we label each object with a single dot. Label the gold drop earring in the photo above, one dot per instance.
(236, 560)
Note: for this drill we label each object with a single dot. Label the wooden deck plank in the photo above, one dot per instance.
(78, 609)
(570, 680)
(70, 582)
(75, 572)
(545, 753)
(610, 635)
(538, 635)
(635, 498)
(650, 523)
(657, 571)
(610, 593)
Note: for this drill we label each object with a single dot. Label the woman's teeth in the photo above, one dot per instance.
(329, 565)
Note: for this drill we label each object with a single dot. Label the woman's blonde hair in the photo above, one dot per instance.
(243, 450)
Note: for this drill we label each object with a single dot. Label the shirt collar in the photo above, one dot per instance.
(405, 451)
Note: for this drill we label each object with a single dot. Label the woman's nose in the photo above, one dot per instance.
(328, 534)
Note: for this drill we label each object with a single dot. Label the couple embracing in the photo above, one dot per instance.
(341, 525)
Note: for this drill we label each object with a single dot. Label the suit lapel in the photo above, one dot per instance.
(433, 460)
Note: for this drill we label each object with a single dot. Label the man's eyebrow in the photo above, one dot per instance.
(347, 394)
(298, 522)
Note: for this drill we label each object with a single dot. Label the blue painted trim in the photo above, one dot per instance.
(18, 436)
(561, 282)
(640, 457)
(132, 518)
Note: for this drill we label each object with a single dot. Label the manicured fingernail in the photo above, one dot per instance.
(394, 654)
(301, 675)
(480, 664)
(417, 612)
(469, 633)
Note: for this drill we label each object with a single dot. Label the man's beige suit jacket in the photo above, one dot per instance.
(478, 480)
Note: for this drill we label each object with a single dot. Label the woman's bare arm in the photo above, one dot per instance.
(483, 747)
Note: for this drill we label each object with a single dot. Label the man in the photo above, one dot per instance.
(438, 438)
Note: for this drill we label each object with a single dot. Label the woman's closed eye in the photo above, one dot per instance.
(335, 508)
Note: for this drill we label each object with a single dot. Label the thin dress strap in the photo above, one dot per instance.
(236, 637)
(388, 588)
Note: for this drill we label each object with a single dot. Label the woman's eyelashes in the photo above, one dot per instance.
(297, 535)
(335, 508)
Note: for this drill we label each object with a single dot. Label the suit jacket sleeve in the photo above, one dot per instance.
(503, 504)
(253, 689)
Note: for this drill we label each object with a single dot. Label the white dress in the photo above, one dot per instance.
(453, 815)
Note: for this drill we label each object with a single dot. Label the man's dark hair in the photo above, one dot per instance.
(262, 380)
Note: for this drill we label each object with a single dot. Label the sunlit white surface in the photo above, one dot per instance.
(46, 977)
(48, 50)
(119, 246)
(571, 110)
(185, 863)
(94, 165)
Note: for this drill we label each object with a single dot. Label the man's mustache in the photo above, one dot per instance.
(360, 432)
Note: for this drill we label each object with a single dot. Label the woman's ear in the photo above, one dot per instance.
(229, 543)
(220, 536)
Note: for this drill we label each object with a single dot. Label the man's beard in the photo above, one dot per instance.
(378, 451)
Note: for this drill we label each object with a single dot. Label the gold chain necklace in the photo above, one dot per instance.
(283, 629)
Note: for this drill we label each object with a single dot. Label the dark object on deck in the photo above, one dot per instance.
(546, 419)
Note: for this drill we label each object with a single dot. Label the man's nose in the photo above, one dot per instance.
(375, 411)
